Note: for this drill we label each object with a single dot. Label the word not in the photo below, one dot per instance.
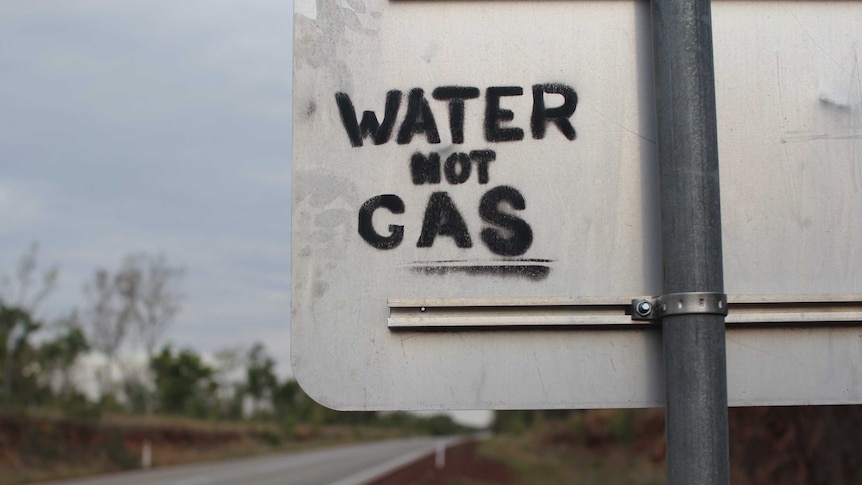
(419, 118)
(510, 236)
(458, 167)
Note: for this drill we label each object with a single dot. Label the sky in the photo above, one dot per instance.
(156, 127)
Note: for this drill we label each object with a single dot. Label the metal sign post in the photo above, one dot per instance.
(694, 336)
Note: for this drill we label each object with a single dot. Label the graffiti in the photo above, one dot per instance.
(520, 235)
(366, 229)
(509, 236)
(535, 272)
(505, 233)
(419, 117)
(458, 168)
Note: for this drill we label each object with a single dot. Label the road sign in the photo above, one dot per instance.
(495, 162)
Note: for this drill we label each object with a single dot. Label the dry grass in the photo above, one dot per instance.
(602, 447)
(573, 466)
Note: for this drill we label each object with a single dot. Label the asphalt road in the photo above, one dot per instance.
(347, 465)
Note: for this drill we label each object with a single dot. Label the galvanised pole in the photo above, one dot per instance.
(694, 344)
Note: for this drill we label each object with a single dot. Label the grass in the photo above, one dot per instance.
(570, 451)
(574, 466)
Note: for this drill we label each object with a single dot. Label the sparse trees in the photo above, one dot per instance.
(20, 296)
(110, 308)
(142, 298)
(157, 301)
(22, 290)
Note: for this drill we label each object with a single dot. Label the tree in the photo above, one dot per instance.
(261, 380)
(293, 406)
(184, 383)
(141, 296)
(57, 357)
(157, 300)
(16, 326)
(17, 292)
(228, 362)
(110, 307)
(287, 399)
(17, 308)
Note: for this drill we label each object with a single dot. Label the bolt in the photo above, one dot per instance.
(644, 308)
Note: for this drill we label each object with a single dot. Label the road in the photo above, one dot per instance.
(346, 465)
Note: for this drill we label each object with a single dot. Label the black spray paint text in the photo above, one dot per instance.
(507, 234)
(420, 119)
(510, 236)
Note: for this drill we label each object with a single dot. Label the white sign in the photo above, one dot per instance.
(504, 152)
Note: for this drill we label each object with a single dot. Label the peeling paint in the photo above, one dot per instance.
(323, 28)
(305, 8)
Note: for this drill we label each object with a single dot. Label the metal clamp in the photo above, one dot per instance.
(679, 304)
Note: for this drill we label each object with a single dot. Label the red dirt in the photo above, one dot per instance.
(462, 464)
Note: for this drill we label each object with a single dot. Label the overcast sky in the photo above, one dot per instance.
(154, 126)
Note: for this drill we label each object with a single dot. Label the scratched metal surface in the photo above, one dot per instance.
(790, 141)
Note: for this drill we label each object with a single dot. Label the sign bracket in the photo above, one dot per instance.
(690, 303)
(453, 314)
